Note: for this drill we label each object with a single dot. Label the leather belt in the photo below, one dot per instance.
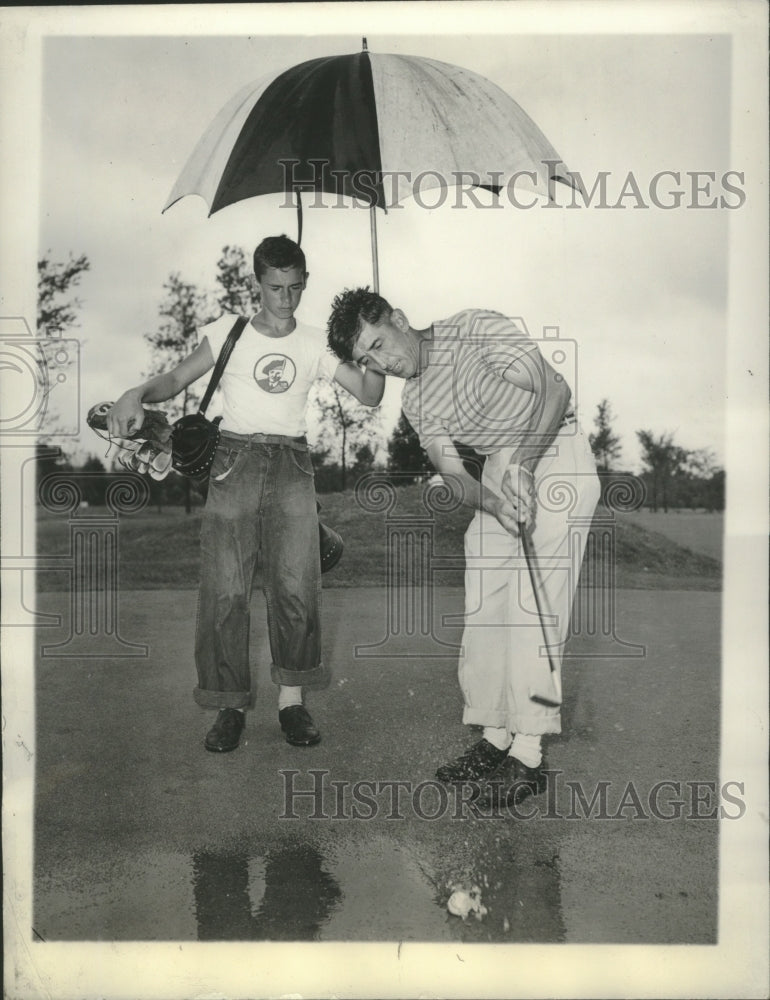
(282, 439)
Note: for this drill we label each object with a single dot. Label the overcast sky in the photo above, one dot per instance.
(643, 291)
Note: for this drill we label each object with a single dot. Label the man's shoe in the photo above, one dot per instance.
(226, 731)
(510, 784)
(298, 727)
(478, 762)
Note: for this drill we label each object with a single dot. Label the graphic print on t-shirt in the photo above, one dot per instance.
(274, 372)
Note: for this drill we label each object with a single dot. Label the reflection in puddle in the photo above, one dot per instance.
(375, 887)
(298, 895)
(522, 897)
(378, 890)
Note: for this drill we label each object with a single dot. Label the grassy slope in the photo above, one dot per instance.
(159, 551)
(694, 530)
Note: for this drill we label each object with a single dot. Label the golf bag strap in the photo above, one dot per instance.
(224, 357)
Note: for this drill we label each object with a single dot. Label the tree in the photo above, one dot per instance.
(701, 463)
(345, 424)
(56, 312)
(664, 460)
(327, 471)
(605, 444)
(95, 483)
(713, 497)
(48, 460)
(55, 280)
(184, 310)
(405, 453)
(363, 459)
(238, 292)
(701, 482)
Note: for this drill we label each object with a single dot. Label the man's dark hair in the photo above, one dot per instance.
(350, 310)
(279, 252)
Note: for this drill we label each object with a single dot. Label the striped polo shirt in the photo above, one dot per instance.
(462, 391)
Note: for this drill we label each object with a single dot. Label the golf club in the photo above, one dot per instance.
(551, 693)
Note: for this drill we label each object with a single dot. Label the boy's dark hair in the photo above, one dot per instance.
(350, 309)
(279, 252)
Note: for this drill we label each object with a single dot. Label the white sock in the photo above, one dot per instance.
(498, 737)
(288, 696)
(526, 749)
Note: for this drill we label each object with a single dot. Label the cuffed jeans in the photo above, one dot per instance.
(261, 498)
(503, 658)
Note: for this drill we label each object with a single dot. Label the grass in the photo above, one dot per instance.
(160, 550)
(694, 530)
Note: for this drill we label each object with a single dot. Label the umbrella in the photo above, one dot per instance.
(367, 126)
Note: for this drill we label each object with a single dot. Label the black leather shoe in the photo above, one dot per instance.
(510, 784)
(475, 764)
(298, 727)
(226, 731)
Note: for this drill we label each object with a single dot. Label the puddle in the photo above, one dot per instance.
(287, 895)
(387, 896)
(346, 888)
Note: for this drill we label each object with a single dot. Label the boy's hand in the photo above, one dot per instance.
(126, 416)
(518, 488)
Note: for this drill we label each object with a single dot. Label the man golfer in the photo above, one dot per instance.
(261, 497)
(476, 379)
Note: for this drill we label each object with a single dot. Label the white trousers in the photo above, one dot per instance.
(504, 658)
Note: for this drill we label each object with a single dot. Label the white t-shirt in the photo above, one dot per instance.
(267, 379)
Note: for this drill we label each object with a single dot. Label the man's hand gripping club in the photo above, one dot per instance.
(516, 511)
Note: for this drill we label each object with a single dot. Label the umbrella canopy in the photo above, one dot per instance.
(365, 125)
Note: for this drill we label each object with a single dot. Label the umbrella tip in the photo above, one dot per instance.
(364, 46)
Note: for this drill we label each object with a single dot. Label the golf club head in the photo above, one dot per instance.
(549, 701)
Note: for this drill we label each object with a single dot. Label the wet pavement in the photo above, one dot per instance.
(140, 835)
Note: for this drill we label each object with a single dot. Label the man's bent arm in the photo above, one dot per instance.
(128, 414)
(367, 386)
(554, 400)
(445, 459)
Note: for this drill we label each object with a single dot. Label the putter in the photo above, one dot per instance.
(551, 694)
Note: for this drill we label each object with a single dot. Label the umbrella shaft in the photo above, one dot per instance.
(375, 263)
